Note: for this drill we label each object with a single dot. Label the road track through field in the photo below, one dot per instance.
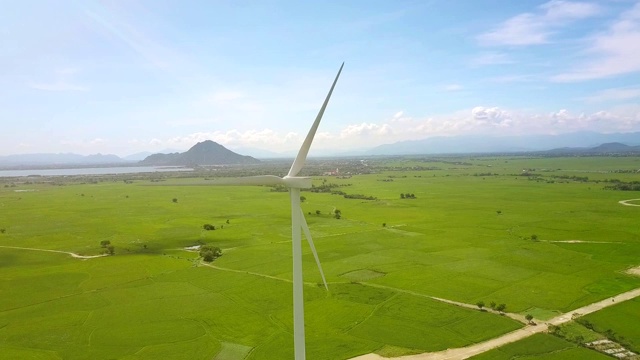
(475, 349)
(626, 202)
(56, 251)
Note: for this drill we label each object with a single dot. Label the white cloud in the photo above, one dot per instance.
(492, 115)
(537, 28)
(611, 53)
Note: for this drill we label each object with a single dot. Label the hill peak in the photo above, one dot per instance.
(206, 152)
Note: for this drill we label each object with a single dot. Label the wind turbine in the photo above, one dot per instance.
(298, 223)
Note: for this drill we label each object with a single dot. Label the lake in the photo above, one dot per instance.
(91, 171)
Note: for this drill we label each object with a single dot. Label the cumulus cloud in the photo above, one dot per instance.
(610, 53)
(536, 28)
(476, 120)
(491, 115)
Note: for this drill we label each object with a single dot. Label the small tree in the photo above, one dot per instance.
(501, 307)
(318, 212)
(529, 317)
(208, 227)
(337, 214)
(111, 250)
(227, 221)
(534, 237)
(3, 230)
(498, 212)
(480, 304)
(401, 196)
(210, 252)
(384, 224)
(105, 243)
(492, 305)
(302, 199)
(175, 200)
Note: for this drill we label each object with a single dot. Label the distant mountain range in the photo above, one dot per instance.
(58, 159)
(203, 153)
(211, 153)
(609, 148)
(501, 144)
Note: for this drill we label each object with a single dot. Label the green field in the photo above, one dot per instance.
(466, 237)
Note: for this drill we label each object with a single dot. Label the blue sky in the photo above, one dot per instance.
(126, 76)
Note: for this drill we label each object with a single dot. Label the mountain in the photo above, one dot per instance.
(204, 153)
(608, 148)
(491, 144)
(58, 159)
(138, 156)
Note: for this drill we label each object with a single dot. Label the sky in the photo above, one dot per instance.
(126, 76)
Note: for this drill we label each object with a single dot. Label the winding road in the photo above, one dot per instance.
(626, 202)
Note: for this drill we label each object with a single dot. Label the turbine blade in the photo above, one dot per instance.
(307, 234)
(231, 181)
(298, 163)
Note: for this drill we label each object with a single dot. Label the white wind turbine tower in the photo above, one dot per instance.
(298, 223)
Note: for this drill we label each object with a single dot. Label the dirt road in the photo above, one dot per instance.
(55, 251)
(466, 352)
(626, 202)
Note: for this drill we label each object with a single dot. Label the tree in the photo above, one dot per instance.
(105, 243)
(227, 221)
(210, 252)
(534, 237)
(401, 196)
(111, 250)
(208, 227)
(480, 304)
(501, 307)
(302, 198)
(529, 317)
(175, 200)
(492, 305)
(337, 214)
(317, 212)
(3, 230)
(384, 224)
(498, 212)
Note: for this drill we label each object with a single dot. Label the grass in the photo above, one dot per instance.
(153, 299)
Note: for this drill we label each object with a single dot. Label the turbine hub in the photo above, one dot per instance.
(297, 182)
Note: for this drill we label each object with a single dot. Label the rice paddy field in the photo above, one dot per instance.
(541, 235)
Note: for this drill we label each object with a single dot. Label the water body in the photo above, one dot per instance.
(91, 171)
